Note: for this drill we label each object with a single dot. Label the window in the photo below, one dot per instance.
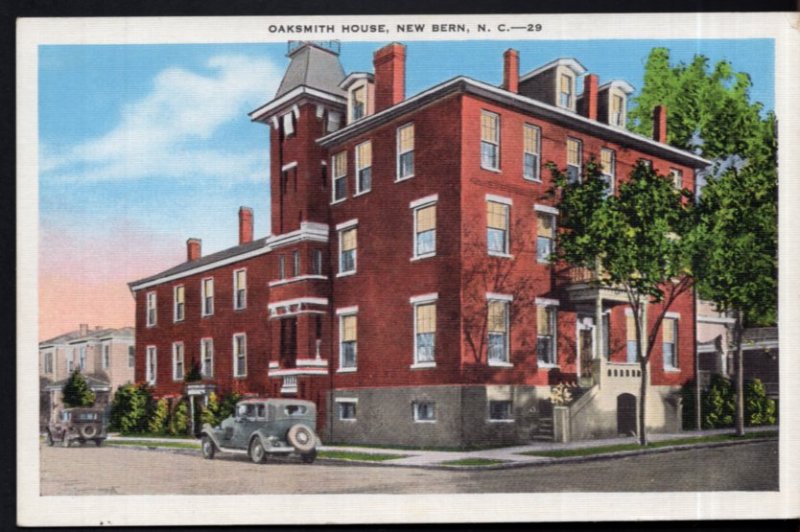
(288, 125)
(359, 108)
(347, 410)
(339, 166)
(177, 361)
(106, 356)
(316, 262)
(405, 152)
(131, 356)
(608, 167)
(208, 297)
(424, 333)
(151, 309)
(334, 121)
(178, 295)
(497, 228)
(207, 358)
(363, 167)
(348, 242)
(617, 117)
(48, 362)
(296, 263)
(281, 266)
(573, 160)
(531, 147)
(546, 335)
(677, 178)
(490, 141)
(498, 332)
(424, 411)
(239, 355)
(240, 289)
(425, 231)
(150, 364)
(545, 236)
(630, 327)
(348, 335)
(71, 361)
(565, 91)
(500, 411)
(82, 359)
(669, 331)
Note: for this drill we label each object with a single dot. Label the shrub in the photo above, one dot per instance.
(76, 391)
(719, 404)
(194, 374)
(758, 408)
(688, 402)
(227, 406)
(159, 417)
(179, 422)
(210, 412)
(130, 408)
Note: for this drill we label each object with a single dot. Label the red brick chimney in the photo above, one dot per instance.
(511, 70)
(193, 249)
(660, 123)
(390, 75)
(245, 225)
(589, 103)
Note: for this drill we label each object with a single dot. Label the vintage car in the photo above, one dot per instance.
(263, 427)
(77, 424)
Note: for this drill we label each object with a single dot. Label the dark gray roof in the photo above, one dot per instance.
(313, 67)
(202, 261)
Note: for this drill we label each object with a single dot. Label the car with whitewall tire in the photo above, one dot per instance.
(263, 428)
(77, 425)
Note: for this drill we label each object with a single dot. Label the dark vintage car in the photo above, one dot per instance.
(77, 424)
(263, 427)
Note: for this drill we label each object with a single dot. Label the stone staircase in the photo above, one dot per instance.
(544, 429)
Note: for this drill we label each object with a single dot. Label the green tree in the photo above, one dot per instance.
(759, 409)
(130, 408)
(710, 112)
(227, 406)
(633, 242)
(157, 424)
(76, 391)
(179, 422)
(210, 411)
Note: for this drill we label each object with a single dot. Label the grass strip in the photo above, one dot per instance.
(473, 462)
(365, 457)
(588, 451)
(147, 443)
(145, 435)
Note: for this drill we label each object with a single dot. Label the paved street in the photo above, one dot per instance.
(112, 470)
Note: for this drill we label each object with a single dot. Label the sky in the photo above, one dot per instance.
(144, 146)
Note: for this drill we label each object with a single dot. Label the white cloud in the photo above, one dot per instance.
(170, 132)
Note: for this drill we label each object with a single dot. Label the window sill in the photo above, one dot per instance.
(547, 366)
(421, 257)
(334, 202)
(672, 370)
(493, 170)
(345, 274)
(346, 370)
(532, 179)
(239, 309)
(428, 421)
(500, 420)
(404, 178)
(423, 365)
(500, 364)
(206, 315)
(179, 321)
(501, 255)
(357, 194)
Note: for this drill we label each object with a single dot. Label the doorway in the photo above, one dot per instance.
(626, 414)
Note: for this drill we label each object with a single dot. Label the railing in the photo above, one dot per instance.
(289, 384)
(622, 371)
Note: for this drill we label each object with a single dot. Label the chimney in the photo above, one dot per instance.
(589, 103)
(511, 70)
(193, 249)
(84, 329)
(390, 75)
(245, 225)
(660, 123)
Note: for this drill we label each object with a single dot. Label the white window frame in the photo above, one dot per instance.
(48, 362)
(675, 319)
(359, 169)
(495, 142)
(416, 302)
(175, 314)
(236, 374)
(571, 95)
(206, 372)
(399, 176)
(296, 263)
(506, 253)
(340, 410)
(178, 351)
(237, 305)
(151, 309)
(316, 262)
(579, 155)
(509, 419)
(415, 408)
(341, 229)
(611, 176)
(506, 300)
(343, 313)
(105, 355)
(546, 210)
(151, 364)
(336, 178)
(677, 178)
(537, 168)
(352, 111)
(623, 101)
(204, 301)
(416, 206)
(552, 315)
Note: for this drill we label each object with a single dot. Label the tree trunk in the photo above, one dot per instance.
(698, 389)
(739, 376)
(642, 402)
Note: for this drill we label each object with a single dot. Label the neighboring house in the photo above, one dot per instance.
(106, 357)
(406, 288)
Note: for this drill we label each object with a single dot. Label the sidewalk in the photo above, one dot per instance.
(500, 457)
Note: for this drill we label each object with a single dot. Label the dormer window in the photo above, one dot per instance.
(359, 107)
(360, 95)
(617, 113)
(565, 91)
(554, 83)
(613, 102)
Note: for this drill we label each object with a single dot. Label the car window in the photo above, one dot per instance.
(247, 410)
(261, 411)
(295, 410)
(87, 416)
(64, 416)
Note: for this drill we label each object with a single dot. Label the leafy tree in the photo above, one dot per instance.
(759, 409)
(227, 406)
(710, 112)
(179, 422)
(76, 391)
(634, 241)
(719, 404)
(159, 417)
(130, 408)
(210, 412)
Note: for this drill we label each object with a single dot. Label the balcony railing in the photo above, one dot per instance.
(289, 384)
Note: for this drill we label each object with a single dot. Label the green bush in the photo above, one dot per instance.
(210, 412)
(227, 406)
(159, 417)
(719, 404)
(179, 422)
(758, 408)
(130, 408)
(76, 391)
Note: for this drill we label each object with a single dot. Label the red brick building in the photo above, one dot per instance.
(406, 287)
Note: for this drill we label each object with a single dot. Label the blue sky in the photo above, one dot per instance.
(144, 146)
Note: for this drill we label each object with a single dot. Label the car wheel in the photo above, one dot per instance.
(302, 438)
(88, 432)
(207, 447)
(49, 438)
(257, 453)
(98, 441)
(308, 458)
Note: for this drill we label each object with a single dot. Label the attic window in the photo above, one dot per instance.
(334, 121)
(565, 91)
(359, 105)
(617, 116)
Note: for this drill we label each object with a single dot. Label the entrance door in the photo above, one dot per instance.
(288, 342)
(626, 414)
(586, 344)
